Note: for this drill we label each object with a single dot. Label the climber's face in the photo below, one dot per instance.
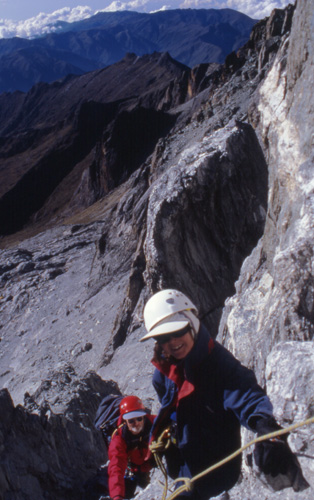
(178, 347)
(135, 425)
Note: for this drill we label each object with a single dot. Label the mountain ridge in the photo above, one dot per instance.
(190, 36)
(57, 127)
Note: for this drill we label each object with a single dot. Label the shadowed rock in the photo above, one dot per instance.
(49, 455)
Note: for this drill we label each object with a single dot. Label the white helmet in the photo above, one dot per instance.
(169, 311)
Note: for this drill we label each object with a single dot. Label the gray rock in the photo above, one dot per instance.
(273, 301)
(40, 448)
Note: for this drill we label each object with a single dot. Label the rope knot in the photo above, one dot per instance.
(188, 483)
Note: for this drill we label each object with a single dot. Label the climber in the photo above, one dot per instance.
(206, 395)
(127, 451)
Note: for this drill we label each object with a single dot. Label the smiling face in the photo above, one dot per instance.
(135, 425)
(180, 347)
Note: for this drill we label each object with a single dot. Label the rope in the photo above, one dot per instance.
(156, 447)
(188, 482)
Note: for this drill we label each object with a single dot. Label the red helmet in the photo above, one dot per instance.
(131, 407)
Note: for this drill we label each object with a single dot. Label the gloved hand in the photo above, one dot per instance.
(275, 457)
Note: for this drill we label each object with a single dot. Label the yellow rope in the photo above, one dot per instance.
(156, 447)
(188, 482)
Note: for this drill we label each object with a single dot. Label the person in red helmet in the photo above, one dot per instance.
(128, 449)
(127, 452)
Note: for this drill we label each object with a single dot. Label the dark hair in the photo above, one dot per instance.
(159, 356)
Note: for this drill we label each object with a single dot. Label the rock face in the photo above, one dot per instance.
(279, 271)
(271, 313)
(221, 208)
(43, 454)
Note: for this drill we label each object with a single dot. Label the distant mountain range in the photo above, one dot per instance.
(104, 123)
(190, 36)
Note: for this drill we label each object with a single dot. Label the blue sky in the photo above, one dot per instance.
(29, 18)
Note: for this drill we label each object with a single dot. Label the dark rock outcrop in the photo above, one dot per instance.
(48, 455)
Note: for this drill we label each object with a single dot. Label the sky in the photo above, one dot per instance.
(30, 18)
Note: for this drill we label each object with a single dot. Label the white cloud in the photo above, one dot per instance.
(39, 24)
(118, 6)
(141, 5)
(257, 9)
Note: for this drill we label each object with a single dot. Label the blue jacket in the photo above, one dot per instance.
(210, 395)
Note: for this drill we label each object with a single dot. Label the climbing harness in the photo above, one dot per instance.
(163, 442)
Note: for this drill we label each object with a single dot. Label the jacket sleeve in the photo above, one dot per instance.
(166, 392)
(242, 394)
(118, 461)
(159, 384)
